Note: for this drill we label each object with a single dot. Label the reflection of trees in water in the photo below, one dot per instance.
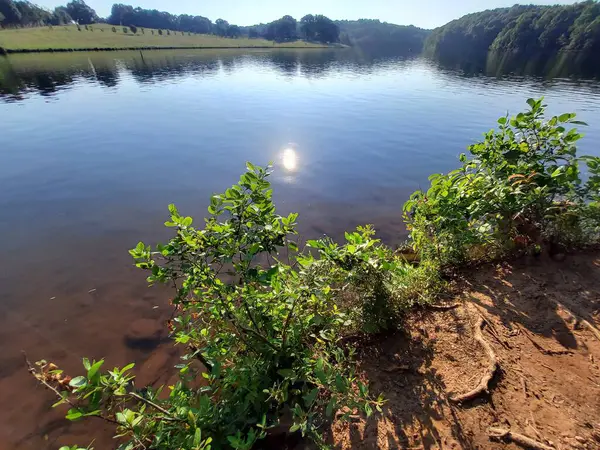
(157, 68)
(32, 73)
(47, 74)
(549, 65)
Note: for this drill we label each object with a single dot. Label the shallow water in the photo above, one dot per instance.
(94, 146)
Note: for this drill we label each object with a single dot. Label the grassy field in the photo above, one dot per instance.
(101, 36)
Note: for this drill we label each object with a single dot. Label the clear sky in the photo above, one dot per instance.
(423, 13)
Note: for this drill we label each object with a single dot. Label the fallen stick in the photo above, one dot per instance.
(482, 387)
(522, 440)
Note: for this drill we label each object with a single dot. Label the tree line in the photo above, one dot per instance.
(21, 13)
(540, 35)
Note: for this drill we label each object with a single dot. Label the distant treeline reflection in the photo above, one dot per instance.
(47, 74)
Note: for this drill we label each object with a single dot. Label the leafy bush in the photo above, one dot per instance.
(133, 29)
(268, 333)
(114, 29)
(160, 32)
(125, 30)
(521, 188)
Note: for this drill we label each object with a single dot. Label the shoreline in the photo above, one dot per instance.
(7, 51)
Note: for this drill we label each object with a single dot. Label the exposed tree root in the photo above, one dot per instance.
(583, 322)
(444, 307)
(482, 387)
(522, 440)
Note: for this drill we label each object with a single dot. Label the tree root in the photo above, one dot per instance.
(482, 387)
(578, 319)
(522, 440)
(447, 307)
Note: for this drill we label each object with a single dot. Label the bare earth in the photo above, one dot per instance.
(547, 387)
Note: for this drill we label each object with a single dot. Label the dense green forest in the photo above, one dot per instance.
(537, 38)
(374, 35)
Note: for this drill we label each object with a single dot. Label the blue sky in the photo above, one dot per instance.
(423, 13)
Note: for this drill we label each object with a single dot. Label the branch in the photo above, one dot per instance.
(157, 407)
(40, 379)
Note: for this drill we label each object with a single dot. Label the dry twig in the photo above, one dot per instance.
(522, 440)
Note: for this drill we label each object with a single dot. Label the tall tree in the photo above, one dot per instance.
(61, 16)
(81, 12)
(12, 15)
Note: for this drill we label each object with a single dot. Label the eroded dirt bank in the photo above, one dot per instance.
(546, 387)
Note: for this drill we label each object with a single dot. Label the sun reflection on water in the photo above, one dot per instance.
(289, 159)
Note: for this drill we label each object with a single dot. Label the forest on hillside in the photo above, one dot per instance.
(538, 38)
(377, 36)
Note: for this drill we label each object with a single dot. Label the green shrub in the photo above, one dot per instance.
(268, 332)
(133, 29)
(114, 29)
(160, 32)
(520, 188)
(125, 30)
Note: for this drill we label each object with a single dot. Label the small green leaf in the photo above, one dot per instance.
(94, 369)
(310, 397)
(74, 414)
(78, 382)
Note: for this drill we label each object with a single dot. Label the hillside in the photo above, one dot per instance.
(539, 36)
(374, 35)
(102, 36)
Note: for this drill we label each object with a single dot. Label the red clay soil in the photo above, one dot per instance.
(546, 388)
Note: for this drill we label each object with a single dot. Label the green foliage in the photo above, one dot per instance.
(125, 30)
(521, 187)
(133, 29)
(263, 323)
(81, 12)
(319, 28)
(559, 38)
(376, 36)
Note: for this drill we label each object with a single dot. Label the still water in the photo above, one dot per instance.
(94, 146)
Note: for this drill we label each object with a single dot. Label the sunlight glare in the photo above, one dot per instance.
(289, 159)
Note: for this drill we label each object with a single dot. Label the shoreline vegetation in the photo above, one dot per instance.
(271, 327)
(100, 37)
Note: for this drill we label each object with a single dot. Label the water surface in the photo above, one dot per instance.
(94, 146)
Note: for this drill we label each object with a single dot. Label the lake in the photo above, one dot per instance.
(94, 146)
